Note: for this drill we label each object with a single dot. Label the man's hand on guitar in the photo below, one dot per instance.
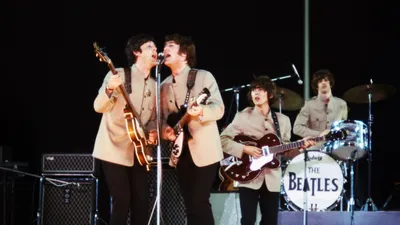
(169, 133)
(252, 151)
(153, 136)
(307, 143)
(115, 80)
(195, 110)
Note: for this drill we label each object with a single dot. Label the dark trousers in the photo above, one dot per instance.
(195, 184)
(129, 188)
(268, 205)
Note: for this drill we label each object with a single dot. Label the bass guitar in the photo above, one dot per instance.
(178, 121)
(134, 127)
(248, 168)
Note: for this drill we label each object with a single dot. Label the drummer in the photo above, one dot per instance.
(317, 115)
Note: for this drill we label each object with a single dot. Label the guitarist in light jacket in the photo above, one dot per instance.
(198, 163)
(256, 121)
(127, 180)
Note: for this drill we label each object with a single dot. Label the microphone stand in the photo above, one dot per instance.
(305, 191)
(42, 179)
(236, 90)
(369, 201)
(158, 112)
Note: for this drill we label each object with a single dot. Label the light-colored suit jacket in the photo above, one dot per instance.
(205, 146)
(316, 116)
(251, 122)
(112, 142)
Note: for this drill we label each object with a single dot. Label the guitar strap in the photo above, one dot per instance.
(128, 86)
(275, 119)
(190, 83)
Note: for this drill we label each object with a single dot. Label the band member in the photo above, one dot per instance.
(317, 115)
(198, 163)
(126, 179)
(256, 121)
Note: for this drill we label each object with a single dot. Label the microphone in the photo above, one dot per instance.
(298, 76)
(160, 56)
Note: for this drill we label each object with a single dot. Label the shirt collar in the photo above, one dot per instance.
(181, 78)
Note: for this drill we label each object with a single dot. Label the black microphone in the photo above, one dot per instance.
(298, 76)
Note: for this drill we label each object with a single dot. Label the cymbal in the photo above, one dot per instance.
(359, 94)
(290, 99)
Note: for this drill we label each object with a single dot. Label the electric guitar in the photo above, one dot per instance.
(178, 121)
(134, 127)
(248, 168)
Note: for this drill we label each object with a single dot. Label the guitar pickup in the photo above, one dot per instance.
(265, 150)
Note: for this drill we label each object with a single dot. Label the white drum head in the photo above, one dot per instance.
(324, 177)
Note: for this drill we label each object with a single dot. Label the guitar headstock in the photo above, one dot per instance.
(102, 55)
(340, 134)
(203, 96)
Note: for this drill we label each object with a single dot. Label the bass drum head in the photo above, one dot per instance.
(324, 181)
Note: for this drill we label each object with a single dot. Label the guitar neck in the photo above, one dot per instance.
(181, 123)
(121, 88)
(291, 146)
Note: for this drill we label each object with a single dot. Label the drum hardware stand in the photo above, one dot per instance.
(351, 203)
(369, 202)
(344, 168)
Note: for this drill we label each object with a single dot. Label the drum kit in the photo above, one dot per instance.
(327, 168)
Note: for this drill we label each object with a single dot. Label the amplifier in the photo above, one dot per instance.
(71, 203)
(63, 164)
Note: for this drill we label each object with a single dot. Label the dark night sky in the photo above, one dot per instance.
(52, 75)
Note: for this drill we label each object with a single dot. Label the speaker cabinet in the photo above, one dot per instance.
(68, 201)
(172, 208)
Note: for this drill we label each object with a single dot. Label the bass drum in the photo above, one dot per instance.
(324, 182)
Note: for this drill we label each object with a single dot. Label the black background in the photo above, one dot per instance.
(51, 75)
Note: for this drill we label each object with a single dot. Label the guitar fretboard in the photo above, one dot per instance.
(290, 146)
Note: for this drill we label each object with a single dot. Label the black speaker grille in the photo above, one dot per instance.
(72, 204)
(172, 206)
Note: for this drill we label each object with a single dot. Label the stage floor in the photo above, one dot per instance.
(340, 218)
(226, 210)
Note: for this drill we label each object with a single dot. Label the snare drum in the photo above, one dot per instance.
(324, 180)
(356, 140)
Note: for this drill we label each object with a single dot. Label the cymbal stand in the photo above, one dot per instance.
(369, 202)
(280, 101)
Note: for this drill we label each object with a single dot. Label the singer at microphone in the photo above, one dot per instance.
(124, 165)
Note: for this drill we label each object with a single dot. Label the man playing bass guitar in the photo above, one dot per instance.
(126, 179)
(255, 122)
